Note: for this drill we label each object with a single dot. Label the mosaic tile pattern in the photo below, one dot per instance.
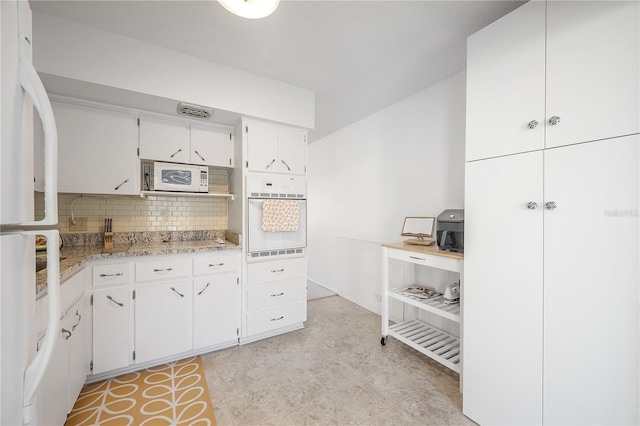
(154, 213)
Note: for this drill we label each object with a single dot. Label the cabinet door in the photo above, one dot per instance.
(262, 147)
(502, 311)
(164, 140)
(505, 84)
(591, 328)
(111, 329)
(216, 308)
(96, 150)
(163, 320)
(211, 146)
(55, 382)
(78, 351)
(292, 148)
(593, 71)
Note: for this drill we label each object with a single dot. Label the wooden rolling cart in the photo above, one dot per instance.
(437, 344)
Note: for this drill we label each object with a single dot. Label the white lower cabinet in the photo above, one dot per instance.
(275, 297)
(159, 307)
(69, 364)
(163, 320)
(112, 310)
(215, 310)
(551, 330)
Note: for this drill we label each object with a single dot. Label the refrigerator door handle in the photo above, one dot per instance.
(32, 85)
(36, 369)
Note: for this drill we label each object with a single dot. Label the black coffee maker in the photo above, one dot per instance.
(450, 230)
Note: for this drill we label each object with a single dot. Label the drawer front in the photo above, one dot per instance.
(278, 270)
(426, 259)
(110, 274)
(163, 269)
(272, 295)
(215, 264)
(271, 319)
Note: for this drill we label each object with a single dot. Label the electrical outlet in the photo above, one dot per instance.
(80, 225)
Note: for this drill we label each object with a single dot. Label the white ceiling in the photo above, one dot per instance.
(357, 56)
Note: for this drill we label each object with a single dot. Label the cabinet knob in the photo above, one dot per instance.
(533, 124)
(551, 205)
(554, 120)
(532, 205)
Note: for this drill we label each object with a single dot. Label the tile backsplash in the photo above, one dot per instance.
(154, 213)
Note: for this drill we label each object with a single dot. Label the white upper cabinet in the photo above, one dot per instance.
(553, 74)
(211, 146)
(274, 148)
(505, 85)
(593, 70)
(164, 140)
(96, 150)
(181, 142)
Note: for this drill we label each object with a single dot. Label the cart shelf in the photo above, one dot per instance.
(434, 304)
(434, 343)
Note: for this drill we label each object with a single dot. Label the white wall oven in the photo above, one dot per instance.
(276, 217)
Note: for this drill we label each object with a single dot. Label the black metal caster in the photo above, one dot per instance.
(383, 341)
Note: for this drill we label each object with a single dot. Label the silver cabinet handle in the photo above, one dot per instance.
(177, 292)
(277, 270)
(198, 154)
(213, 265)
(119, 274)
(532, 205)
(205, 287)
(67, 332)
(286, 165)
(554, 120)
(271, 163)
(163, 270)
(276, 295)
(115, 301)
(277, 319)
(533, 124)
(118, 187)
(551, 205)
(176, 153)
(416, 258)
(79, 319)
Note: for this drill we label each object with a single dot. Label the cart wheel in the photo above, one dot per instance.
(383, 341)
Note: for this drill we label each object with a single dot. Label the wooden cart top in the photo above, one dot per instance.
(432, 249)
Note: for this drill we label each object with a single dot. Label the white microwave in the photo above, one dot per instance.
(180, 177)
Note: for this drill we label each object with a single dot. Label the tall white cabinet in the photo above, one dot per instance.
(552, 327)
(274, 286)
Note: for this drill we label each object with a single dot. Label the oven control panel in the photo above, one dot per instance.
(276, 186)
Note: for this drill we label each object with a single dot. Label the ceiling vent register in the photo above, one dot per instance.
(195, 111)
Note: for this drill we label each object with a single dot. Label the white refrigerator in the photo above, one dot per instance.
(21, 92)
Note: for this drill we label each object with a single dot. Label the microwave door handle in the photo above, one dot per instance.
(36, 369)
(32, 85)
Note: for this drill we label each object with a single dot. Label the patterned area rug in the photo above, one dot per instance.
(169, 394)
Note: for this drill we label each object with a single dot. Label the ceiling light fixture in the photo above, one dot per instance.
(251, 9)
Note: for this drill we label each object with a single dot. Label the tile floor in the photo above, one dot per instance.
(332, 372)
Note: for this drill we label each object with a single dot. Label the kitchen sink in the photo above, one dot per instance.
(42, 264)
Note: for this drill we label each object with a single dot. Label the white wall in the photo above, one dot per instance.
(406, 160)
(67, 49)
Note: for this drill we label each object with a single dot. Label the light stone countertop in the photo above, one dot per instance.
(76, 257)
